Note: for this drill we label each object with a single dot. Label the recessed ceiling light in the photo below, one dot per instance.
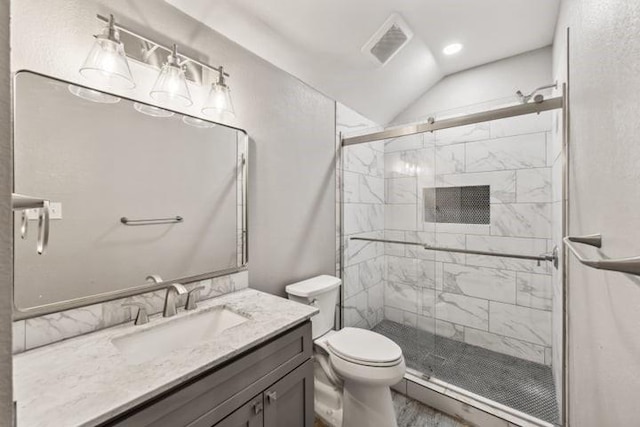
(452, 49)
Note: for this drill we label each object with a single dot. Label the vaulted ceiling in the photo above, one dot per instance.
(320, 41)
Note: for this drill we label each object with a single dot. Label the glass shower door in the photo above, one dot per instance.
(490, 326)
(494, 322)
(410, 270)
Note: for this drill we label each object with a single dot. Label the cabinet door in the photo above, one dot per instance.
(289, 402)
(249, 415)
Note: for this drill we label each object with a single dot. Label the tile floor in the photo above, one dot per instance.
(411, 413)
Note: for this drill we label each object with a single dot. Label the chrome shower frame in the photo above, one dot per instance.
(432, 124)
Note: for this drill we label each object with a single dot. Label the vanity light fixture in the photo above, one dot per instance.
(106, 64)
(171, 85)
(218, 103)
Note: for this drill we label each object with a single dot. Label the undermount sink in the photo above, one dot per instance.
(181, 331)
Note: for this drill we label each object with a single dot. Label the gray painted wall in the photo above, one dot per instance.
(292, 182)
(604, 320)
(6, 264)
(484, 83)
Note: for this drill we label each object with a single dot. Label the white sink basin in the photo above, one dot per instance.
(184, 330)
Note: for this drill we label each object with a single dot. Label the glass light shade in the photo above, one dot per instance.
(171, 86)
(197, 123)
(218, 103)
(93, 95)
(152, 111)
(106, 65)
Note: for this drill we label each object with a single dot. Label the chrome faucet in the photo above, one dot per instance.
(141, 317)
(173, 291)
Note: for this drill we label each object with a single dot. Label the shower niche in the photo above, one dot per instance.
(457, 205)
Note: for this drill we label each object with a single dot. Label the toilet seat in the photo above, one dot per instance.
(364, 348)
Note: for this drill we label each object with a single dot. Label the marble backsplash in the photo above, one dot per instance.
(51, 328)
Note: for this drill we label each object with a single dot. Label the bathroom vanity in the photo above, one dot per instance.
(257, 372)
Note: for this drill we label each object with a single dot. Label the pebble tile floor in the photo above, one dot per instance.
(514, 382)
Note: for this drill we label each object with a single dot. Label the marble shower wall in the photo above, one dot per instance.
(362, 208)
(498, 303)
(43, 330)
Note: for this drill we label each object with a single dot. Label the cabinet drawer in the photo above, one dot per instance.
(226, 388)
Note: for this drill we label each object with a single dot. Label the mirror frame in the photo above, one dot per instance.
(242, 262)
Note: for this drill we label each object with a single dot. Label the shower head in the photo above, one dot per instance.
(537, 98)
(522, 97)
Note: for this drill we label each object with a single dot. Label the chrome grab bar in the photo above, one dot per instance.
(21, 202)
(551, 256)
(152, 221)
(621, 265)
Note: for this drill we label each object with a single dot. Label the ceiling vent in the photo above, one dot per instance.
(388, 40)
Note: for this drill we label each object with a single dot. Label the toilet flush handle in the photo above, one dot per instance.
(313, 302)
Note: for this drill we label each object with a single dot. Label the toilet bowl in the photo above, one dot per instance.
(353, 368)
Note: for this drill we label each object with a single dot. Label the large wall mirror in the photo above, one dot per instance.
(133, 191)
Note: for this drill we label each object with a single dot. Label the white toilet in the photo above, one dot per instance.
(354, 368)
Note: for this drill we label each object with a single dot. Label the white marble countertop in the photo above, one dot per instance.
(86, 380)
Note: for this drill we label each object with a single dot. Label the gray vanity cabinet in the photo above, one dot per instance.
(270, 385)
(288, 403)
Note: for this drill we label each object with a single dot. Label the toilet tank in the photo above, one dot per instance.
(321, 292)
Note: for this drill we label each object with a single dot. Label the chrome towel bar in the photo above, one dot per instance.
(621, 265)
(552, 256)
(151, 221)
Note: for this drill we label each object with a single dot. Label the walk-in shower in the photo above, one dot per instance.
(449, 235)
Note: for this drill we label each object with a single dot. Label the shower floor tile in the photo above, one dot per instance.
(522, 385)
